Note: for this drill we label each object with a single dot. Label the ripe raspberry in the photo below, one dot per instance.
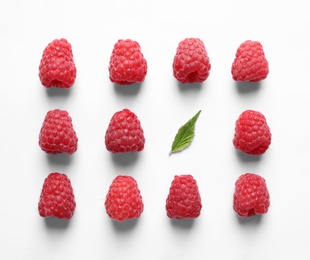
(124, 133)
(57, 67)
(250, 63)
(124, 200)
(127, 64)
(57, 198)
(251, 195)
(57, 134)
(252, 134)
(191, 62)
(184, 199)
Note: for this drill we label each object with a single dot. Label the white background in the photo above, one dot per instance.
(162, 105)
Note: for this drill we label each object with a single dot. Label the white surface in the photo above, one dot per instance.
(162, 106)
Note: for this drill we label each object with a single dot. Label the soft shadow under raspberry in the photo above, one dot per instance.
(244, 87)
(56, 223)
(182, 223)
(244, 157)
(127, 90)
(57, 92)
(125, 159)
(185, 87)
(253, 221)
(62, 159)
(124, 226)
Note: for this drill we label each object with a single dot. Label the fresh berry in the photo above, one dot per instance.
(57, 134)
(252, 134)
(250, 63)
(184, 199)
(57, 67)
(251, 195)
(191, 62)
(127, 64)
(124, 133)
(57, 198)
(124, 200)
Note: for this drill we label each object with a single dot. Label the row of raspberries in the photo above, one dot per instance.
(128, 65)
(124, 200)
(125, 134)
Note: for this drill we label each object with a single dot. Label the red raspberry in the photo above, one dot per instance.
(127, 64)
(124, 133)
(124, 200)
(250, 63)
(184, 199)
(57, 67)
(57, 198)
(191, 62)
(252, 134)
(57, 134)
(251, 195)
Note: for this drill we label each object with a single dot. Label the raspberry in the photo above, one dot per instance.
(57, 134)
(184, 199)
(252, 134)
(191, 62)
(250, 63)
(124, 200)
(57, 67)
(57, 198)
(251, 195)
(127, 64)
(124, 133)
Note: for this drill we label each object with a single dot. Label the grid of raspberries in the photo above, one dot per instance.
(125, 134)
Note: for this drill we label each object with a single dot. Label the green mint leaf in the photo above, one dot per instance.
(185, 135)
